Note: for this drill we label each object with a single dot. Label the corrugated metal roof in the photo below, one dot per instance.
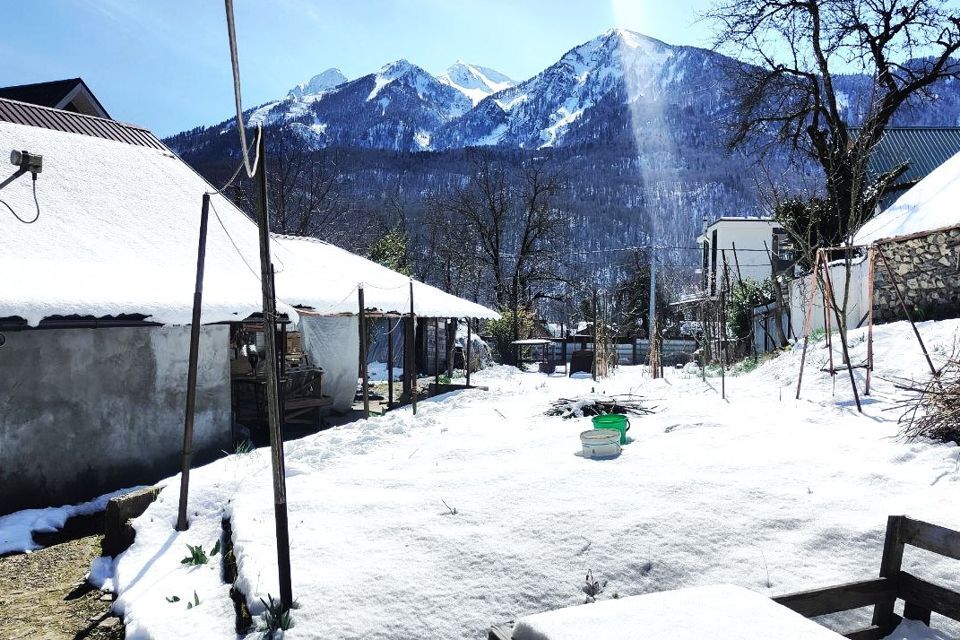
(923, 149)
(36, 116)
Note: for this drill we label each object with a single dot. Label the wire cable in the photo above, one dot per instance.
(35, 202)
(235, 64)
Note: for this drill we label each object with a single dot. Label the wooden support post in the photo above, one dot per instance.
(451, 338)
(563, 356)
(723, 343)
(807, 320)
(466, 360)
(889, 568)
(390, 328)
(411, 350)
(436, 353)
(187, 453)
(871, 272)
(594, 368)
(364, 382)
(843, 342)
(273, 411)
(827, 295)
(906, 311)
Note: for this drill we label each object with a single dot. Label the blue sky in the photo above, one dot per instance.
(164, 64)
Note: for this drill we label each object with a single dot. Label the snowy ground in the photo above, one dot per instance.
(760, 491)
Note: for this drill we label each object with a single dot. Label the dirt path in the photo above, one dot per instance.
(43, 595)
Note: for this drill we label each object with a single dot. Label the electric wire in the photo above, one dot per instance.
(235, 64)
(35, 202)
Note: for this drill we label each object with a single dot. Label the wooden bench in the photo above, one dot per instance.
(920, 597)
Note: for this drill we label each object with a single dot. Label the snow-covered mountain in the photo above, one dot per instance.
(320, 82)
(637, 72)
(474, 81)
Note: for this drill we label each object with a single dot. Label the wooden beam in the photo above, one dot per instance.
(364, 384)
(390, 329)
(843, 597)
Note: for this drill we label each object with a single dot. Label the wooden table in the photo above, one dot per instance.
(722, 612)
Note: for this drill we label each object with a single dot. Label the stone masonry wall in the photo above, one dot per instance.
(927, 270)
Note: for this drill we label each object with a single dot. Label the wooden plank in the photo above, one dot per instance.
(931, 537)
(929, 596)
(501, 631)
(842, 597)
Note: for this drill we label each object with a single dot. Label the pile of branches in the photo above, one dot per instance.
(933, 410)
(598, 405)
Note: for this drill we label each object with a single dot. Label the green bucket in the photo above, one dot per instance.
(613, 421)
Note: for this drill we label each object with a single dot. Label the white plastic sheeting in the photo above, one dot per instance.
(333, 343)
(930, 205)
(117, 234)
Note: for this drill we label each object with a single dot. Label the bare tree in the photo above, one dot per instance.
(511, 221)
(794, 52)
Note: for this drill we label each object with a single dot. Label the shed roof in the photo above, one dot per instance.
(33, 115)
(930, 205)
(117, 235)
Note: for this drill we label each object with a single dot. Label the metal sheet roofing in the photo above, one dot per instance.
(37, 116)
(923, 149)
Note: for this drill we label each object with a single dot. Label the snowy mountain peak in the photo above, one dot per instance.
(397, 69)
(320, 82)
(474, 81)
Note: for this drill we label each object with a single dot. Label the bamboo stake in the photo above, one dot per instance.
(827, 291)
(187, 456)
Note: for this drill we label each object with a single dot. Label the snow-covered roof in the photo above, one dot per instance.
(117, 234)
(930, 205)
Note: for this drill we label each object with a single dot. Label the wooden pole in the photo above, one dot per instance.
(808, 319)
(723, 342)
(411, 350)
(187, 456)
(906, 311)
(273, 412)
(843, 342)
(827, 295)
(436, 354)
(871, 273)
(364, 383)
(469, 340)
(389, 364)
(594, 368)
(451, 338)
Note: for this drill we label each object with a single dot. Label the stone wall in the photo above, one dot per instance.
(927, 270)
(87, 411)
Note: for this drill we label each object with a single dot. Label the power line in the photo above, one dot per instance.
(235, 64)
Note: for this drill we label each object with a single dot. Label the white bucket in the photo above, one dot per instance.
(600, 443)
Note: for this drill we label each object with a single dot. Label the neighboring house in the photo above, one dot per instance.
(919, 149)
(98, 294)
(71, 95)
(740, 248)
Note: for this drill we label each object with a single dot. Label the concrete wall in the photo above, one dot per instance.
(798, 294)
(86, 411)
(927, 270)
